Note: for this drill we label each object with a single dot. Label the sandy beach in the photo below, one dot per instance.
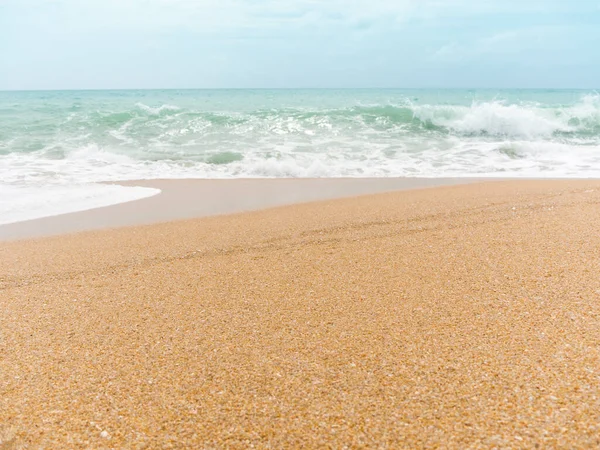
(459, 317)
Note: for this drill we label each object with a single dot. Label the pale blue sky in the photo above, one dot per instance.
(98, 44)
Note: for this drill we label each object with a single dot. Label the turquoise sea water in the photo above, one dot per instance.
(55, 146)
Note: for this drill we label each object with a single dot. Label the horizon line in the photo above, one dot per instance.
(303, 89)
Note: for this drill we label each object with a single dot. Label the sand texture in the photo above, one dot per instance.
(454, 317)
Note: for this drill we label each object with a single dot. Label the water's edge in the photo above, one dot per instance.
(193, 198)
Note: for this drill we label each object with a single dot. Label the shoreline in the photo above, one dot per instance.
(182, 199)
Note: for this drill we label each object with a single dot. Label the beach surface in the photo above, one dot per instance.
(450, 317)
(192, 198)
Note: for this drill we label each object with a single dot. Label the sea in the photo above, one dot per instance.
(58, 147)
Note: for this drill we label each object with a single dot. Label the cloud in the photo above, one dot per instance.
(218, 16)
(284, 42)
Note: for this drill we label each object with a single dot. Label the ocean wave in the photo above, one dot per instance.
(496, 118)
(158, 110)
(172, 127)
(499, 119)
(403, 137)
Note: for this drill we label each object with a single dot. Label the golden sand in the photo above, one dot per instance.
(456, 317)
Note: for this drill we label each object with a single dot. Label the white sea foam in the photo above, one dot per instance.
(499, 119)
(157, 111)
(18, 203)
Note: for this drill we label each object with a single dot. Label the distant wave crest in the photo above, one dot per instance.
(495, 118)
(157, 111)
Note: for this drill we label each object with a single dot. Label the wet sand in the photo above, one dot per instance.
(186, 199)
(452, 317)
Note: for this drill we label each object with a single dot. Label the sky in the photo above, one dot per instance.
(127, 44)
